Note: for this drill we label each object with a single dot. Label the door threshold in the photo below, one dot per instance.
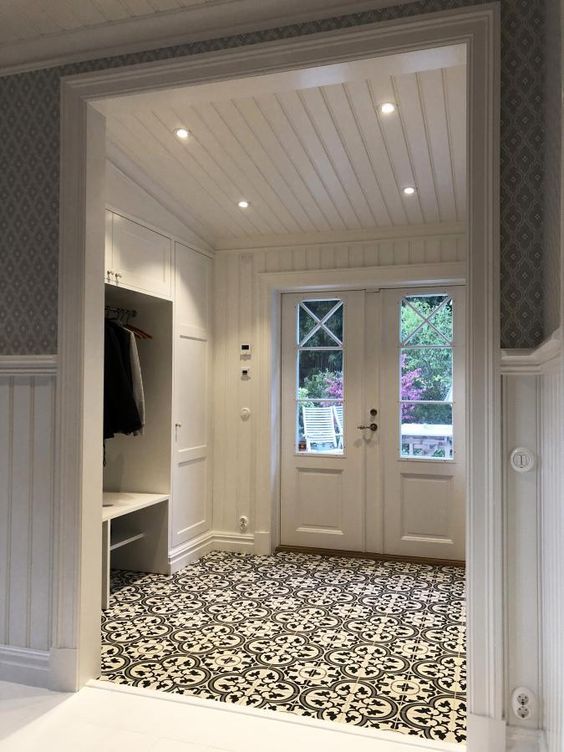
(368, 555)
(389, 741)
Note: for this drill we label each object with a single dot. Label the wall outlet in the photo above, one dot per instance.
(243, 523)
(523, 703)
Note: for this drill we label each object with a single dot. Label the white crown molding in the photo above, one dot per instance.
(28, 365)
(350, 237)
(210, 20)
(532, 361)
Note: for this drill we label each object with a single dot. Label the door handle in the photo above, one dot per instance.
(371, 426)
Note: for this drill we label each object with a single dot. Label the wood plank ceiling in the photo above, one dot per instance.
(309, 160)
(29, 19)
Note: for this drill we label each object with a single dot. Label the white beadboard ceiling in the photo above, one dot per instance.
(309, 149)
(37, 33)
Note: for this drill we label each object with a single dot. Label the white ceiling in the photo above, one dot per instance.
(309, 149)
(36, 33)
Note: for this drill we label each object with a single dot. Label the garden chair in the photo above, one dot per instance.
(319, 426)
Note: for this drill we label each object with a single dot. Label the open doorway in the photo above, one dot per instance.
(262, 533)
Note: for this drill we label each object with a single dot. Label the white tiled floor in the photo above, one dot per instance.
(111, 719)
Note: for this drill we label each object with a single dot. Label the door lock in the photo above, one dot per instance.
(371, 426)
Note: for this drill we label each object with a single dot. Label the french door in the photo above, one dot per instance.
(373, 434)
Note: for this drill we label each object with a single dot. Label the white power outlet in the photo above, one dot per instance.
(523, 703)
(243, 523)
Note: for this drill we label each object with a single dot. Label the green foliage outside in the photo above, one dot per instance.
(426, 372)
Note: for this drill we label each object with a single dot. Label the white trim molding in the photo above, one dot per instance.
(24, 666)
(214, 540)
(535, 360)
(28, 365)
(76, 607)
(524, 740)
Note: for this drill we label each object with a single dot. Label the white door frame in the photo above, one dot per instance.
(75, 653)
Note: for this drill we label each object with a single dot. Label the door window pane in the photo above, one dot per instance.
(319, 377)
(426, 320)
(426, 373)
(426, 430)
(320, 374)
(426, 376)
(320, 426)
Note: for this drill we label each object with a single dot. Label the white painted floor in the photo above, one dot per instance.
(111, 719)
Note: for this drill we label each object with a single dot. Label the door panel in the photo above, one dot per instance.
(191, 502)
(322, 486)
(422, 419)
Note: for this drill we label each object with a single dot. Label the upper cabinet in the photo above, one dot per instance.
(137, 257)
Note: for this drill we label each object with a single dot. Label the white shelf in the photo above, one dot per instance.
(130, 538)
(118, 503)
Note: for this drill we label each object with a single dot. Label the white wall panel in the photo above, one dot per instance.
(26, 508)
(552, 558)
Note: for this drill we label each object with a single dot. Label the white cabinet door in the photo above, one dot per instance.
(191, 498)
(141, 258)
(109, 248)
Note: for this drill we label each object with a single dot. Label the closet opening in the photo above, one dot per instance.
(291, 182)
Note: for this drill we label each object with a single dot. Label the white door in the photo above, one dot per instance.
(422, 422)
(322, 486)
(392, 361)
(191, 502)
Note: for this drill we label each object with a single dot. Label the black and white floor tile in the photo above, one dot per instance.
(378, 644)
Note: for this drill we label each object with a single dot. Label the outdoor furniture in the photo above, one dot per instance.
(427, 438)
(338, 413)
(319, 426)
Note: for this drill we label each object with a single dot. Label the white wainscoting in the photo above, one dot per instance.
(27, 442)
(533, 411)
(552, 554)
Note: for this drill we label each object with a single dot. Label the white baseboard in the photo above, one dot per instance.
(487, 734)
(214, 540)
(182, 555)
(24, 666)
(524, 740)
(238, 542)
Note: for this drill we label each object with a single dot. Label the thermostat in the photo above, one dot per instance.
(522, 459)
(245, 350)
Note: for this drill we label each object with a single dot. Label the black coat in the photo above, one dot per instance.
(120, 411)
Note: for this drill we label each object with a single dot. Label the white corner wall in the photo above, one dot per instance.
(552, 555)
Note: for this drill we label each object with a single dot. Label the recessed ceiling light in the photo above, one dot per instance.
(409, 190)
(182, 133)
(387, 108)
(243, 204)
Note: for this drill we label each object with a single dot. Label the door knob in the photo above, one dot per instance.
(371, 426)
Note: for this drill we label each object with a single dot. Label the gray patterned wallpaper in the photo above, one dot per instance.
(553, 206)
(29, 173)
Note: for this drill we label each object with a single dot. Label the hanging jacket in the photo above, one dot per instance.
(137, 380)
(120, 410)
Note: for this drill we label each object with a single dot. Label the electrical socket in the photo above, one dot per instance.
(243, 523)
(523, 703)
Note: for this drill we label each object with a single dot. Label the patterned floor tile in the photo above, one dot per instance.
(376, 644)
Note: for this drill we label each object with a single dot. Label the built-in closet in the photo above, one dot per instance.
(157, 482)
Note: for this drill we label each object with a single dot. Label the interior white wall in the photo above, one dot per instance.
(237, 313)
